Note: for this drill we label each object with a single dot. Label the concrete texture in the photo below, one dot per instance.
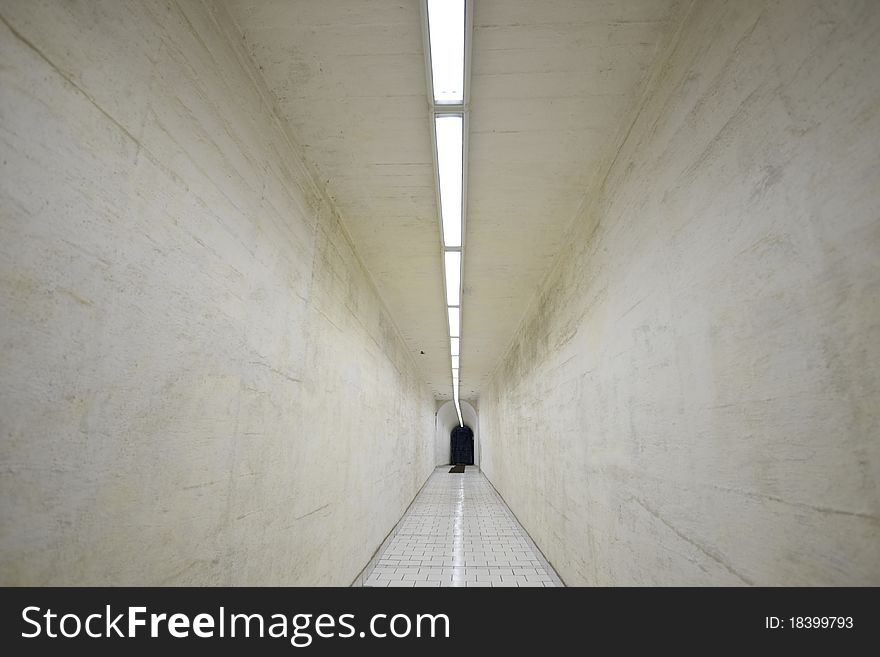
(349, 79)
(552, 84)
(198, 381)
(693, 397)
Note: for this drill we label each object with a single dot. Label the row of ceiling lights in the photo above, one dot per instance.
(446, 22)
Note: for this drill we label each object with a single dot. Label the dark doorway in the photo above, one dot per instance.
(462, 440)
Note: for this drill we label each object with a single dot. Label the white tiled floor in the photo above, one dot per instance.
(459, 532)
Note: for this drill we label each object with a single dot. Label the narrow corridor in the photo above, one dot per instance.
(458, 532)
(266, 265)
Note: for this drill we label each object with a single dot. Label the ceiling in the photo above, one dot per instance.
(552, 85)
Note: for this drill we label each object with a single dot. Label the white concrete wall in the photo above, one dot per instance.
(198, 383)
(447, 420)
(693, 398)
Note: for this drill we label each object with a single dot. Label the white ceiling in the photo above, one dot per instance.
(552, 85)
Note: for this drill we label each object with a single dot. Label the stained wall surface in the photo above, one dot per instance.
(199, 383)
(693, 396)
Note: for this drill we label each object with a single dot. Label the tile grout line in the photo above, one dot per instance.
(547, 565)
(359, 580)
(458, 532)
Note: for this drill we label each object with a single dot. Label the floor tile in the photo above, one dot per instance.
(459, 532)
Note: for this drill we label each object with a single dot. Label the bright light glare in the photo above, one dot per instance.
(454, 319)
(446, 32)
(449, 159)
(453, 278)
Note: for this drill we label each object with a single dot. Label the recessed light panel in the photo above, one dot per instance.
(453, 277)
(446, 34)
(454, 322)
(448, 129)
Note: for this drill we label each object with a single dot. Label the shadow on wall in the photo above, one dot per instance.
(446, 421)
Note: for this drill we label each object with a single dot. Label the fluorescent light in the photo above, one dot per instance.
(454, 320)
(453, 278)
(446, 34)
(446, 45)
(448, 129)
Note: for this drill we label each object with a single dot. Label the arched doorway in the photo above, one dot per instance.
(445, 421)
(461, 440)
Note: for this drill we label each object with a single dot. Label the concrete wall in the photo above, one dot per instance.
(198, 383)
(693, 397)
(447, 420)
